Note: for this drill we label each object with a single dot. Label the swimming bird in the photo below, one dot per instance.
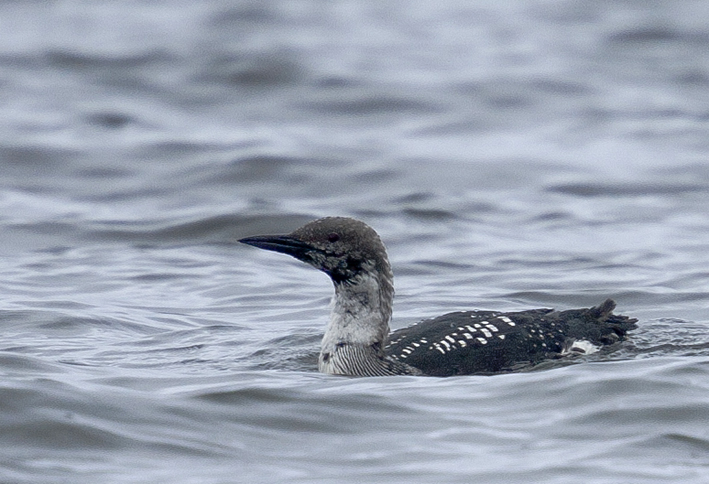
(357, 340)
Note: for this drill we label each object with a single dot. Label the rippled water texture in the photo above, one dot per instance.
(511, 154)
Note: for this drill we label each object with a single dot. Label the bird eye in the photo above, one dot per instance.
(333, 237)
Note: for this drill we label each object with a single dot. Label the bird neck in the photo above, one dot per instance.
(357, 333)
(361, 310)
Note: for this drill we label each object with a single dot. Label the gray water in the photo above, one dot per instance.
(511, 154)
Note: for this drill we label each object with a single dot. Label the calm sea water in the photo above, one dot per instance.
(511, 154)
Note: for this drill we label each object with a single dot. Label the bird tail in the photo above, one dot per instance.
(615, 326)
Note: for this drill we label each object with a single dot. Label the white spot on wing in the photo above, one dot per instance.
(506, 320)
(486, 332)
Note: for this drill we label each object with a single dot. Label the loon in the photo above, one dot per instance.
(357, 340)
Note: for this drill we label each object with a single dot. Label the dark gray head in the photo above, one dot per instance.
(339, 246)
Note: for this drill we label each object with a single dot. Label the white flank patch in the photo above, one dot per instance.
(581, 346)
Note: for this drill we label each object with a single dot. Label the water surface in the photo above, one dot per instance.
(526, 154)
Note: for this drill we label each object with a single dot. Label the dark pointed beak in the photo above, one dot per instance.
(280, 243)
